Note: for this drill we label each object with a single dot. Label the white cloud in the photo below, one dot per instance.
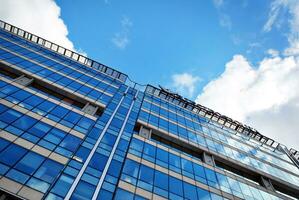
(225, 21)
(293, 36)
(277, 15)
(41, 17)
(275, 9)
(81, 52)
(121, 39)
(218, 3)
(265, 96)
(236, 40)
(273, 52)
(184, 83)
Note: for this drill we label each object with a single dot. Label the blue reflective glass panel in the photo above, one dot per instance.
(12, 154)
(122, 194)
(175, 186)
(83, 191)
(49, 171)
(30, 162)
(70, 142)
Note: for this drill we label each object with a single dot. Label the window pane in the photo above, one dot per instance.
(146, 174)
(63, 185)
(199, 173)
(38, 184)
(72, 117)
(48, 171)
(83, 191)
(59, 111)
(122, 194)
(17, 176)
(203, 194)
(70, 142)
(216, 197)
(34, 100)
(174, 160)
(12, 154)
(9, 116)
(187, 165)
(55, 136)
(30, 163)
(162, 155)
(131, 168)
(3, 144)
(190, 191)
(85, 123)
(82, 153)
(149, 150)
(114, 168)
(211, 176)
(161, 180)
(39, 129)
(175, 186)
(46, 106)
(137, 144)
(24, 122)
(98, 161)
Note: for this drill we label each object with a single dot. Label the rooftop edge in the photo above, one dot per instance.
(161, 92)
(64, 51)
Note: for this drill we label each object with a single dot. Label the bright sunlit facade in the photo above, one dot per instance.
(72, 128)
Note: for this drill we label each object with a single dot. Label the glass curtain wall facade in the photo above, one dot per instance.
(72, 128)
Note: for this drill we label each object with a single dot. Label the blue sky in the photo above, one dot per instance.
(170, 37)
(237, 57)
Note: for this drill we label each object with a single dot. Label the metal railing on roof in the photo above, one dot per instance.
(217, 117)
(63, 51)
(135, 85)
(295, 154)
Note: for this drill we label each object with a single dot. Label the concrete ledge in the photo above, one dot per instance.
(29, 193)
(10, 185)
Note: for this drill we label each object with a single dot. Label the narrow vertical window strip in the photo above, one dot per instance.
(95, 195)
(75, 183)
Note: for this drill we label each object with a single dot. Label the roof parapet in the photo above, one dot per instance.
(74, 56)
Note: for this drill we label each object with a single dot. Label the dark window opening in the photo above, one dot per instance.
(252, 177)
(171, 144)
(293, 194)
(39, 88)
(255, 178)
(98, 113)
(7, 74)
(51, 91)
(74, 102)
(7, 196)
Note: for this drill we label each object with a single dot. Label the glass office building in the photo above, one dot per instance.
(72, 128)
